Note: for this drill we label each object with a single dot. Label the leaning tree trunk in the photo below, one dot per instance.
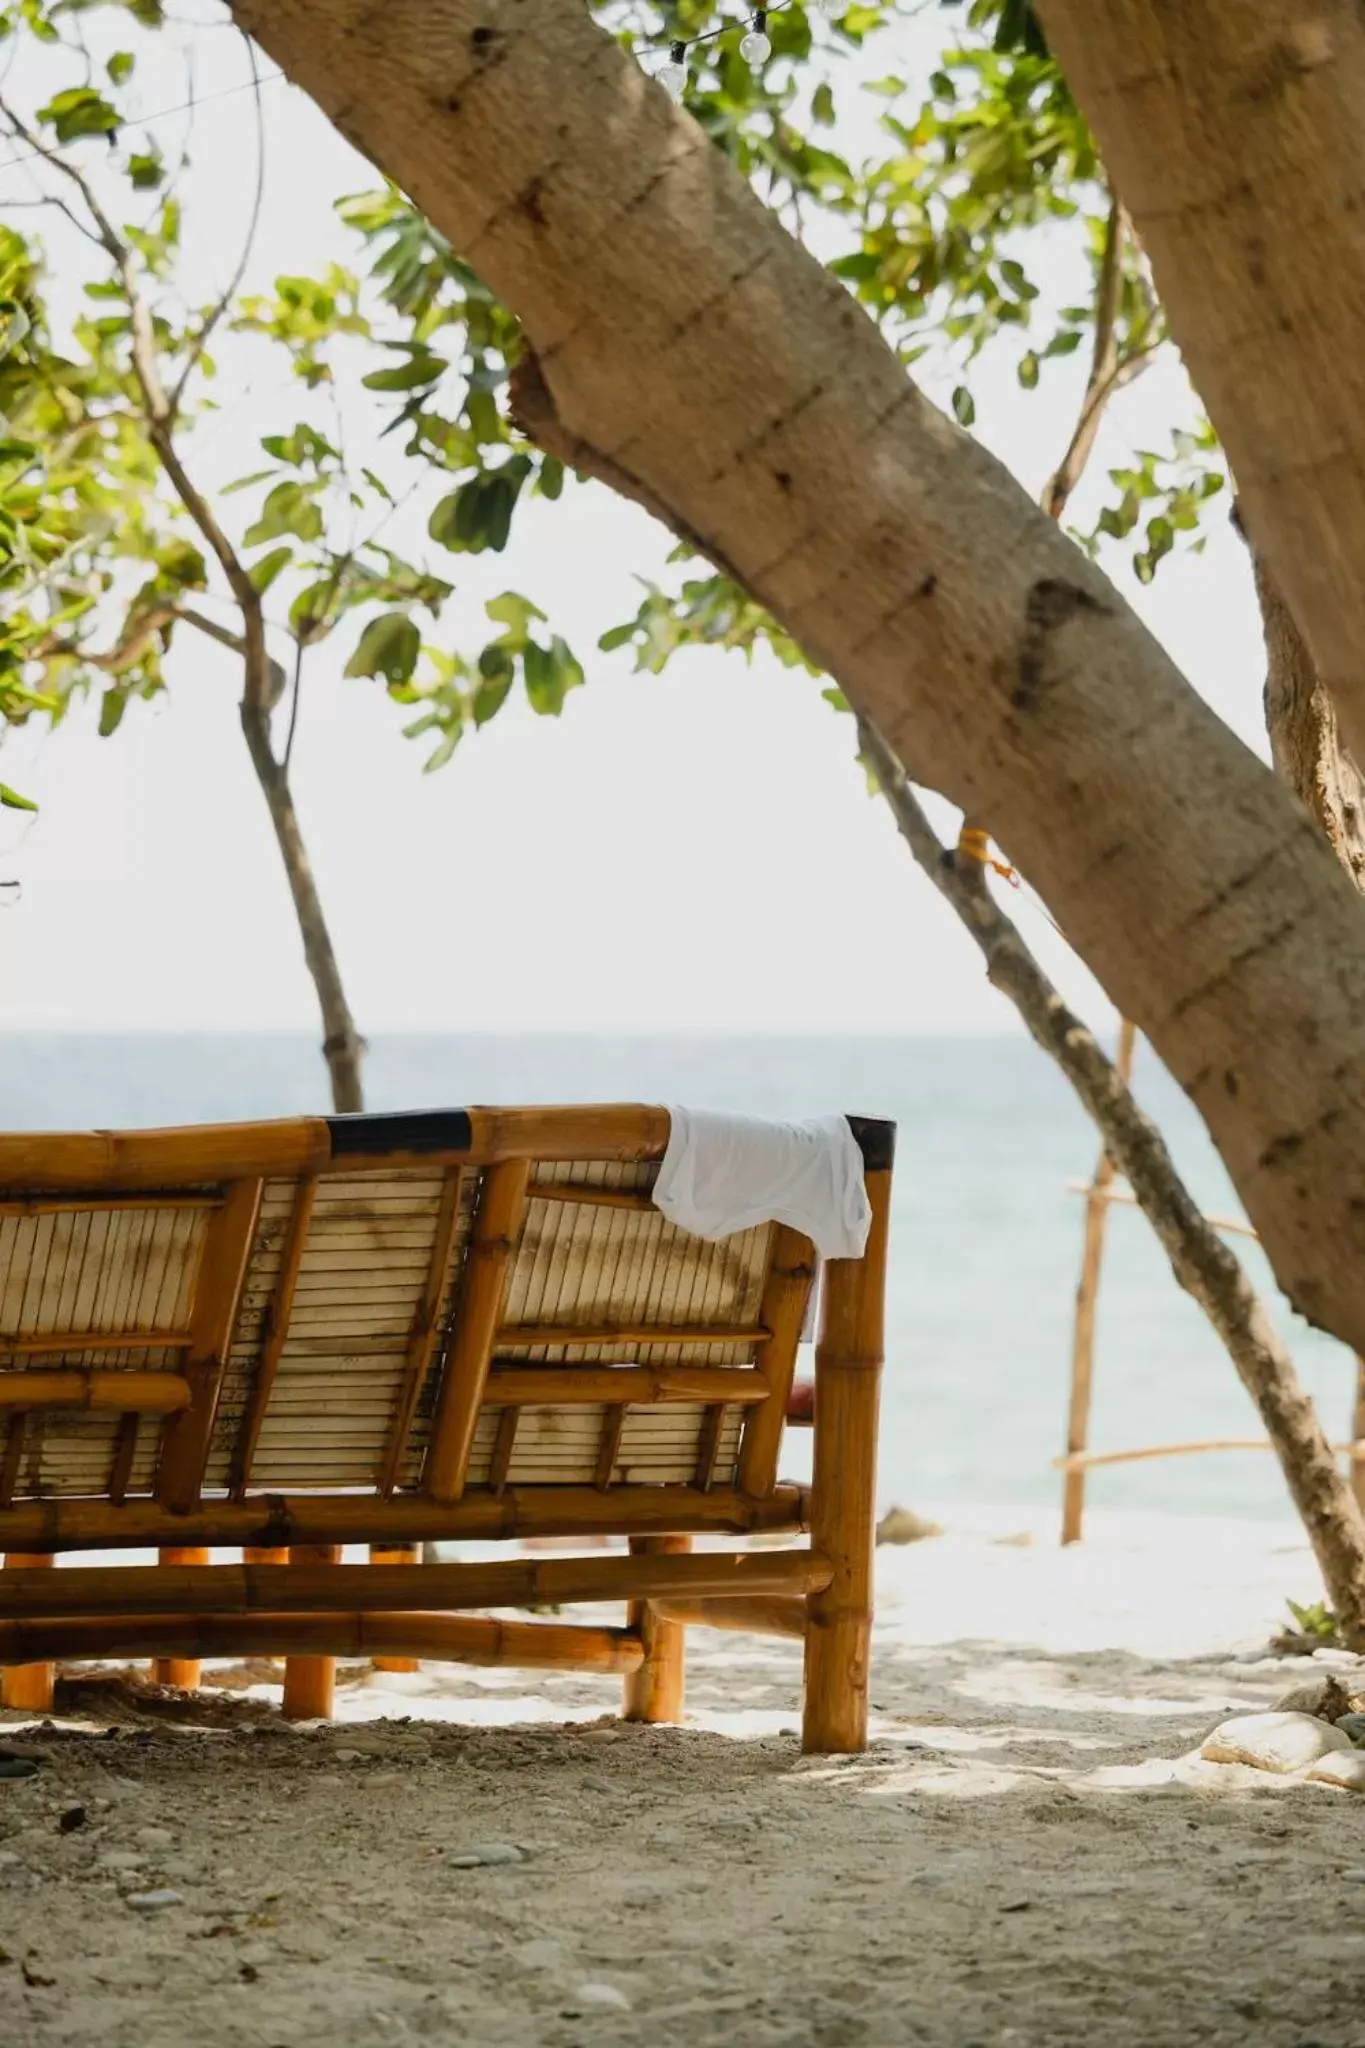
(1236, 134)
(1305, 743)
(697, 355)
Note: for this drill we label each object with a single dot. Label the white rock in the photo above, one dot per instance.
(152, 1902)
(1343, 1767)
(154, 1838)
(601, 1994)
(122, 1859)
(485, 1855)
(1273, 1742)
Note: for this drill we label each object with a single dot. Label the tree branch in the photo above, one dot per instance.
(1200, 1261)
(229, 291)
(1104, 364)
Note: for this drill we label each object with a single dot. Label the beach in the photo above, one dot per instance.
(1025, 1855)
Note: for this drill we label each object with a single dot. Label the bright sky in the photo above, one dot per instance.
(692, 851)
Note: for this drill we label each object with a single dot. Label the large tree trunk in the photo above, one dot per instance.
(1305, 744)
(1236, 134)
(709, 364)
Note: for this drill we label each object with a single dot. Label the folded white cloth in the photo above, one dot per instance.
(722, 1174)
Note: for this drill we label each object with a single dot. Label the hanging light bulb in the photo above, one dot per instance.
(672, 76)
(756, 47)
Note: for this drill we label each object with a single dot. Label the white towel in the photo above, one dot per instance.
(722, 1174)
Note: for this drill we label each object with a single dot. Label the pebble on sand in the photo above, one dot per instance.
(1273, 1742)
(1344, 1767)
(600, 1995)
(153, 1902)
(486, 1855)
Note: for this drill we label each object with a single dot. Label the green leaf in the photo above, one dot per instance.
(421, 369)
(113, 704)
(288, 509)
(389, 647)
(617, 636)
(145, 168)
(12, 801)
(1028, 371)
(822, 106)
(550, 482)
(516, 613)
(120, 66)
(78, 111)
(964, 406)
(1064, 344)
(497, 672)
(264, 572)
(550, 673)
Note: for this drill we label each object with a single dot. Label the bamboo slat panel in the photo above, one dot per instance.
(119, 1268)
(559, 1446)
(342, 1369)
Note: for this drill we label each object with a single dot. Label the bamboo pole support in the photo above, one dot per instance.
(274, 1520)
(656, 1691)
(488, 1262)
(227, 1247)
(310, 1682)
(453, 1638)
(28, 1687)
(848, 1363)
(183, 1671)
(317, 1583)
(786, 1293)
(774, 1616)
(395, 1553)
(1097, 1204)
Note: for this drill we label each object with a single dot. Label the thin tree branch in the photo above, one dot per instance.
(229, 292)
(1104, 363)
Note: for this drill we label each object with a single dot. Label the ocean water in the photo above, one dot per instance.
(986, 1238)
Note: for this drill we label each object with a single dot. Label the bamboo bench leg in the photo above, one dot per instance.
(310, 1682)
(844, 1492)
(655, 1691)
(396, 1553)
(28, 1687)
(182, 1671)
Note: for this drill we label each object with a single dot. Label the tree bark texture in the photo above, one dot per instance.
(690, 350)
(1305, 742)
(1235, 130)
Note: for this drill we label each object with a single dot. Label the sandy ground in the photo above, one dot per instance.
(1020, 1858)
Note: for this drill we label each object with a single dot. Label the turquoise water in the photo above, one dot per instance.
(985, 1241)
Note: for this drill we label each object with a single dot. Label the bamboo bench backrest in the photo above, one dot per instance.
(442, 1302)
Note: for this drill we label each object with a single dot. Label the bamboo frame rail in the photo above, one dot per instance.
(311, 1582)
(589, 1197)
(583, 1386)
(786, 1296)
(185, 1443)
(497, 1224)
(273, 1521)
(569, 1334)
(141, 1393)
(773, 1615)
(274, 1333)
(1088, 1460)
(35, 1346)
(456, 1638)
(424, 1335)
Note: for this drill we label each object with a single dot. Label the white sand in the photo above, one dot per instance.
(1020, 1858)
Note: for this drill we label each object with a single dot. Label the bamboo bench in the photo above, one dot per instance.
(386, 1330)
